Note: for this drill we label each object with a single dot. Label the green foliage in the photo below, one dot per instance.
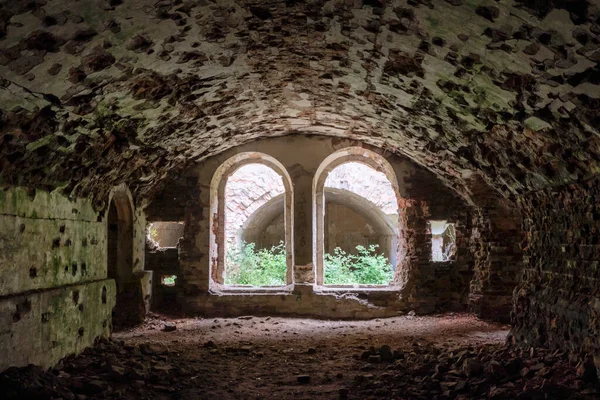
(153, 233)
(365, 268)
(246, 266)
(169, 280)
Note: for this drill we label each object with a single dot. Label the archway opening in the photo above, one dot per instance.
(251, 220)
(361, 226)
(358, 237)
(113, 242)
(129, 309)
(255, 253)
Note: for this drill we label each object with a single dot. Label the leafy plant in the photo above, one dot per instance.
(365, 268)
(169, 280)
(153, 233)
(246, 266)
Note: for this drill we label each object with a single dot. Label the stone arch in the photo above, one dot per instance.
(129, 309)
(217, 211)
(120, 235)
(343, 156)
(386, 231)
(262, 218)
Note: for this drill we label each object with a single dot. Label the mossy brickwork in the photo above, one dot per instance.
(55, 298)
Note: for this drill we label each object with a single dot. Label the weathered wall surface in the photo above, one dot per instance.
(161, 262)
(437, 284)
(54, 295)
(429, 286)
(247, 190)
(43, 327)
(497, 245)
(48, 241)
(366, 182)
(165, 234)
(346, 229)
(488, 87)
(557, 302)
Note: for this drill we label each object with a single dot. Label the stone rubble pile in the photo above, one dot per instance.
(486, 372)
(115, 370)
(110, 370)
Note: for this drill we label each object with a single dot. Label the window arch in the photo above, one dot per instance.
(321, 192)
(218, 234)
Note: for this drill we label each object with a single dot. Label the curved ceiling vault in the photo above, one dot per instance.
(94, 93)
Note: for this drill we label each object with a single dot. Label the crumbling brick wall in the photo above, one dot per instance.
(557, 302)
(437, 285)
(433, 285)
(165, 262)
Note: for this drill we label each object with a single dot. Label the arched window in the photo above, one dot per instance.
(357, 238)
(251, 242)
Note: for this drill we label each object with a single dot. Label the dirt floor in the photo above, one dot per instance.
(272, 358)
(451, 356)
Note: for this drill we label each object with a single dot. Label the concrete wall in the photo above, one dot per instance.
(426, 286)
(55, 298)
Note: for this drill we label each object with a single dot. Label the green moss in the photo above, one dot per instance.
(480, 95)
(56, 269)
(55, 304)
(46, 140)
(536, 124)
(472, 3)
(434, 22)
(15, 199)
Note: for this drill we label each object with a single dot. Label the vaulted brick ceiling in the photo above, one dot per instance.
(94, 93)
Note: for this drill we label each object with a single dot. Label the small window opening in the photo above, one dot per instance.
(165, 234)
(168, 280)
(443, 241)
(255, 251)
(361, 226)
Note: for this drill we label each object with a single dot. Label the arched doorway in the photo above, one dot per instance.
(129, 309)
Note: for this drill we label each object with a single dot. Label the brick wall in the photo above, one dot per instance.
(429, 285)
(557, 302)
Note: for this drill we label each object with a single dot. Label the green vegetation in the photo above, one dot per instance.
(153, 233)
(246, 266)
(267, 267)
(365, 268)
(169, 280)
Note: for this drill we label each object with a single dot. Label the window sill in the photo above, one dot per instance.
(262, 290)
(355, 288)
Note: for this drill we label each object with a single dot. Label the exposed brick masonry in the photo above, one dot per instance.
(557, 301)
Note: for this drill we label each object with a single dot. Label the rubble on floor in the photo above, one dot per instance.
(483, 372)
(115, 370)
